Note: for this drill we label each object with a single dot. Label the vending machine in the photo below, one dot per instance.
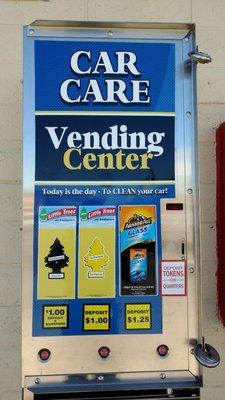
(111, 290)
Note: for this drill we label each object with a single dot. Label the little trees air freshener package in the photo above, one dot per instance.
(96, 251)
(56, 252)
(138, 250)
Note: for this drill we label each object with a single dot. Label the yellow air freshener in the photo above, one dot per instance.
(96, 259)
(96, 252)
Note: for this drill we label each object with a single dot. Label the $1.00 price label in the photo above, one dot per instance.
(138, 316)
(55, 316)
(96, 317)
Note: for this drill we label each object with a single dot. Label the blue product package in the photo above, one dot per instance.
(138, 265)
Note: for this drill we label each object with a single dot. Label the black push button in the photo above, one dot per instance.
(162, 350)
(104, 352)
(44, 354)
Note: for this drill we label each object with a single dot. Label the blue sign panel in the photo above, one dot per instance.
(118, 76)
(104, 148)
(104, 159)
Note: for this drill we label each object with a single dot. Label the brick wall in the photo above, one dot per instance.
(209, 18)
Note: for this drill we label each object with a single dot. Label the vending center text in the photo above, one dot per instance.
(116, 138)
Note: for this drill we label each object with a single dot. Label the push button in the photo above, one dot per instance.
(103, 352)
(44, 354)
(162, 350)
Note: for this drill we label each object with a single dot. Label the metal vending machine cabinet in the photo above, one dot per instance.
(110, 239)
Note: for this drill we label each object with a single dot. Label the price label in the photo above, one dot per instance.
(96, 317)
(55, 316)
(138, 316)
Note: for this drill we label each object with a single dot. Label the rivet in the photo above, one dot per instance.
(110, 33)
(31, 32)
(190, 191)
(162, 376)
(188, 113)
(191, 270)
(186, 39)
(37, 381)
(101, 378)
